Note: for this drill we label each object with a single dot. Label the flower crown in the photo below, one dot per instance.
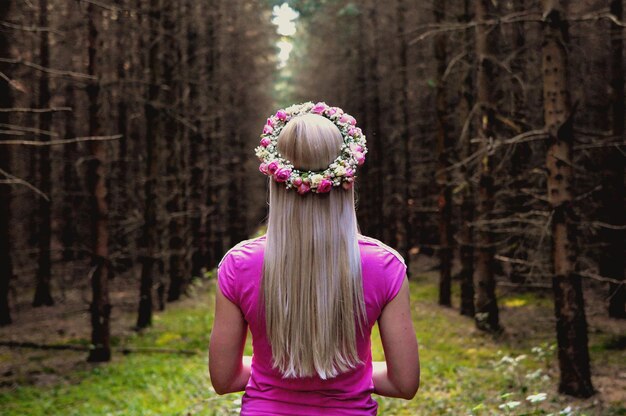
(341, 172)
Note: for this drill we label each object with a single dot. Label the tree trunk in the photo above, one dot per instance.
(612, 212)
(215, 196)
(404, 223)
(122, 197)
(197, 163)
(43, 294)
(96, 183)
(485, 299)
(444, 201)
(149, 239)
(377, 174)
(6, 265)
(466, 249)
(362, 186)
(71, 200)
(174, 172)
(571, 324)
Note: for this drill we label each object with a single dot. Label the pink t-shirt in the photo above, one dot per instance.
(267, 393)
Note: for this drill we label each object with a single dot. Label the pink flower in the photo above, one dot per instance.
(360, 158)
(270, 122)
(281, 115)
(319, 108)
(324, 186)
(349, 173)
(337, 110)
(297, 181)
(351, 131)
(268, 129)
(331, 111)
(265, 142)
(272, 167)
(356, 147)
(282, 174)
(263, 168)
(346, 185)
(346, 118)
(303, 188)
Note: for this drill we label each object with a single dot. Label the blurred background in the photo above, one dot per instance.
(496, 158)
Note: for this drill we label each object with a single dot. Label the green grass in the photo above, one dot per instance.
(460, 370)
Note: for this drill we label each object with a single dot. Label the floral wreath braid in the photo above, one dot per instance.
(341, 172)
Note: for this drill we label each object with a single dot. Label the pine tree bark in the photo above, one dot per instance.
(487, 314)
(569, 308)
(404, 224)
(6, 265)
(233, 147)
(377, 174)
(612, 212)
(71, 186)
(174, 172)
(122, 196)
(97, 188)
(215, 227)
(149, 239)
(197, 164)
(43, 295)
(444, 200)
(363, 186)
(466, 249)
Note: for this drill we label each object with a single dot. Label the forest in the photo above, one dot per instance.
(497, 148)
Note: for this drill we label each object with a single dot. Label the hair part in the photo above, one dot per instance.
(312, 286)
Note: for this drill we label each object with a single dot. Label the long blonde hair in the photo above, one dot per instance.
(312, 288)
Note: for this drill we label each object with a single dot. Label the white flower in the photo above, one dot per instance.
(510, 405)
(536, 398)
(316, 179)
(567, 411)
(340, 171)
(534, 375)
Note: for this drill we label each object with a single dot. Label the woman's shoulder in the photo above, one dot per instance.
(371, 245)
(245, 248)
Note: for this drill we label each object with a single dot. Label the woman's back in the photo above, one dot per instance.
(267, 392)
(311, 289)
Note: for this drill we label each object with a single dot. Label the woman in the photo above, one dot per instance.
(311, 288)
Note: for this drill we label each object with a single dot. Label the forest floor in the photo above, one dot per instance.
(464, 371)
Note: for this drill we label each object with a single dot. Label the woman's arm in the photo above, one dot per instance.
(228, 368)
(399, 374)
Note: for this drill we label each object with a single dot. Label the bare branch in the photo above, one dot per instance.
(34, 110)
(29, 28)
(599, 278)
(62, 141)
(598, 16)
(30, 130)
(57, 72)
(18, 181)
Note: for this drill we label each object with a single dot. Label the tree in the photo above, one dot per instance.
(100, 306)
(444, 200)
(43, 295)
(487, 317)
(404, 224)
(149, 239)
(466, 249)
(6, 265)
(612, 211)
(571, 324)
(174, 165)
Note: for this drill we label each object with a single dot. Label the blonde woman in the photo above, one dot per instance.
(311, 289)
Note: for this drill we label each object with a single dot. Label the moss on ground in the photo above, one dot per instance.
(464, 371)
